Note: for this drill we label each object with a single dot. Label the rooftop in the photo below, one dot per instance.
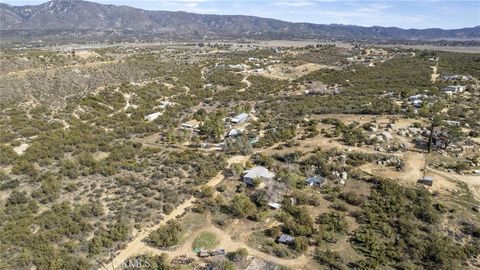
(285, 238)
(258, 172)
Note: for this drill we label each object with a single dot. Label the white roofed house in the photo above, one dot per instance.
(240, 118)
(257, 172)
(152, 116)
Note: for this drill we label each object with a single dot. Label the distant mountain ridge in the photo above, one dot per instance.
(89, 20)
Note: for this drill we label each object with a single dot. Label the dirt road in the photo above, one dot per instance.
(226, 242)
(435, 74)
(136, 246)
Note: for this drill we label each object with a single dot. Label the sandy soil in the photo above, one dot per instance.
(441, 177)
(435, 75)
(284, 71)
(21, 148)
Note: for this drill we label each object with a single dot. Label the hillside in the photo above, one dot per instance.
(73, 20)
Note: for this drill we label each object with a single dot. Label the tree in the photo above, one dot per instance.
(300, 244)
(453, 134)
(241, 206)
(260, 198)
(239, 255)
(49, 190)
(240, 145)
(329, 258)
(165, 236)
(213, 127)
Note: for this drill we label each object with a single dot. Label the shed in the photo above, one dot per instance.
(426, 180)
(286, 239)
(257, 172)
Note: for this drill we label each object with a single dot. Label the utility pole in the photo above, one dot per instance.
(430, 139)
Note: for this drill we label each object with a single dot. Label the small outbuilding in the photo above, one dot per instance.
(286, 239)
(426, 180)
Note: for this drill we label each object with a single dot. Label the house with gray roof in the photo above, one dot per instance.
(286, 239)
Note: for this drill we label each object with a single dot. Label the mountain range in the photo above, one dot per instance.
(82, 20)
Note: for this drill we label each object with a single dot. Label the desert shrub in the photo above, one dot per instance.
(296, 219)
(49, 190)
(351, 198)
(408, 214)
(7, 155)
(166, 236)
(105, 238)
(330, 259)
(300, 244)
(241, 206)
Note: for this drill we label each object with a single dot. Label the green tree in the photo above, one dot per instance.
(300, 244)
(166, 235)
(241, 206)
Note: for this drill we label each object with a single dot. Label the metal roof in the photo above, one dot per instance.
(258, 172)
(284, 238)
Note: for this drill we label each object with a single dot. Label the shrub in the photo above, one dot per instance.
(351, 198)
(241, 206)
(300, 244)
(166, 235)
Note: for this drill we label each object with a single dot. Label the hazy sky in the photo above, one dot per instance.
(402, 13)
